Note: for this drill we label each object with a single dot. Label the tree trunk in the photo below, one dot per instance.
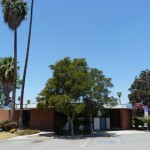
(21, 115)
(72, 125)
(6, 88)
(6, 99)
(25, 67)
(15, 76)
(92, 132)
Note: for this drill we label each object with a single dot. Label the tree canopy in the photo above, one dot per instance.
(140, 89)
(14, 12)
(73, 87)
(6, 78)
(98, 94)
(1, 96)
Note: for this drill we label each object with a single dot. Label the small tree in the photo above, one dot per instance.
(28, 101)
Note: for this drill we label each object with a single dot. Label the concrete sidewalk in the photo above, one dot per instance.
(124, 132)
(33, 136)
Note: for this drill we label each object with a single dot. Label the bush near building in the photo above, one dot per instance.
(3, 123)
(10, 125)
(140, 122)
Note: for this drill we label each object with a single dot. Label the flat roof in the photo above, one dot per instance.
(33, 106)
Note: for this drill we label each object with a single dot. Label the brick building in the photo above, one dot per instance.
(118, 117)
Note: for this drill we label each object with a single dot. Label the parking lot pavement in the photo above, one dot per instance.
(123, 141)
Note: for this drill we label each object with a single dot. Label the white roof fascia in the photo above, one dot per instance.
(120, 106)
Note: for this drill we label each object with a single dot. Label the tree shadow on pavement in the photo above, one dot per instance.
(105, 134)
(69, 137)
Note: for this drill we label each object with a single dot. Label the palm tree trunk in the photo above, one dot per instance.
(7, 88)
(6, 99)
(15, 76)
(25, 67)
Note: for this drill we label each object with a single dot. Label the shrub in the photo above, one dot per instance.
(10, 125)
(27, 132)
(3, 123)
(12, 130)
(148, 122)
(142, 121)
(135, 122)
(138, 122)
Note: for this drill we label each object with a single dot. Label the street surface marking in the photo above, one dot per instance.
(105, 141)
(121, 139)
(84, 145)
(45, 145)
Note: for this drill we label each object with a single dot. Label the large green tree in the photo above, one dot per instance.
(140, 89)
(98, 94)
(74, 88)
(14, 12)
(66, 89)
(25, 66)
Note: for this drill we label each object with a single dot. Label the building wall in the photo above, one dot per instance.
(126, 118)
(17, 113)
(42, 120)
(4, 115)
(115, 119)
(121, 119)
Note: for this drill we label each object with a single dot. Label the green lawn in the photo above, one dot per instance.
(6, 135)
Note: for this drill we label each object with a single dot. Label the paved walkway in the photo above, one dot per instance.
(33, 136)
(123, 132)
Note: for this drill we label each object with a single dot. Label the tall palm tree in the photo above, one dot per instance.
(119, 95)
(6, 76)
(25, 67)
(14, 12)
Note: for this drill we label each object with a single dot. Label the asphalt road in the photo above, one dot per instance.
(101, 142)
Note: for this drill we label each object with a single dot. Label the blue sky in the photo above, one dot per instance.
(113, 36)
